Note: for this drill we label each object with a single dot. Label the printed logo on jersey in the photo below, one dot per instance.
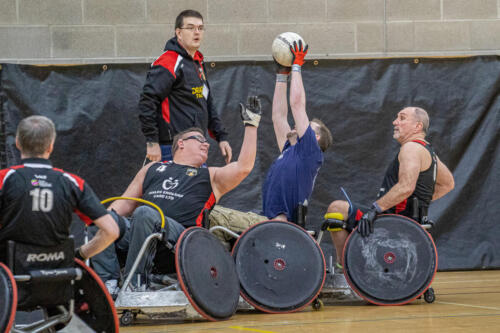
(197, 91)
(161, 168)
(191, 172)
(170, 184)
(40, 183)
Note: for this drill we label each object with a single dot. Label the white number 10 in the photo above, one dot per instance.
(43, 200)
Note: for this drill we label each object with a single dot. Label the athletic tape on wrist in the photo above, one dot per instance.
(377, 207)
(296, 68)
(281, 77)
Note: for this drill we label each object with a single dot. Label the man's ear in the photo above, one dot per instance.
(420, 126)
(18, 145)
(177, 32)
(50, 149)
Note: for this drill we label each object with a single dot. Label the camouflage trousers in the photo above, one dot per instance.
(234, 220)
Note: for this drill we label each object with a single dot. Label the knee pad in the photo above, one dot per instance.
(334, 216)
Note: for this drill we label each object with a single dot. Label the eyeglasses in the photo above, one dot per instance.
(198, 138)
(192, 28)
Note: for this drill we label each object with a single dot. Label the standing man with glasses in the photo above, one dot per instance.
(176, 94)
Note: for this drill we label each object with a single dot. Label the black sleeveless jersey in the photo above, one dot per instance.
(182, 192)
(424, 188)
(37, 202)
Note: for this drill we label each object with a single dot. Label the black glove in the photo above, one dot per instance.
(365, 225)
(250, 113)
(79, 255)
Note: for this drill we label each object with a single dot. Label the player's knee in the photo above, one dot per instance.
(338, 206)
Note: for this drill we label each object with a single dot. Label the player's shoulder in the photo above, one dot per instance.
(70, 177)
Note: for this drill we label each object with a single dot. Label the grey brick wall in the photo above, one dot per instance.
(99, 31)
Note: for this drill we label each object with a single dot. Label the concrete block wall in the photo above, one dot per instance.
(101, 31)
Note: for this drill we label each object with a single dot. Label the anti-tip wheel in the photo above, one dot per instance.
(429, 295)
(127, 318)
(317, 304)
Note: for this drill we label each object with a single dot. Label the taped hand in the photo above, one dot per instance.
(299, 52)
(365, 226)
(250, 113)
(78, 255)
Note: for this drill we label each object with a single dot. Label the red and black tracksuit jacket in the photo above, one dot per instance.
(37, 202)
(176, 96)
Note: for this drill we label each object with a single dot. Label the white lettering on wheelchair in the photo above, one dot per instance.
(54, 272)
(280, 246)
(41, 257)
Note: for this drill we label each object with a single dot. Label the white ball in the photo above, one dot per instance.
(281, 47)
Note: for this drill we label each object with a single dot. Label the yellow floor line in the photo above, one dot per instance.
(241, 328)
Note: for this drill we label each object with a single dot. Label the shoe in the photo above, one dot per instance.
(112, 286)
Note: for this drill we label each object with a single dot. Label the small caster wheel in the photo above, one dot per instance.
(317, 304)
(127, 318)
(429, 295)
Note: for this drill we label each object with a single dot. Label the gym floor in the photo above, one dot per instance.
(465, 302)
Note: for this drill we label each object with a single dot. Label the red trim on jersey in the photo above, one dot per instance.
(208, 205)
(167, 60)
(165, 110)
(423, 143)
(198, 57)
(79, 181)
(401, 206)
(4, 173)
(87, 220)
(212, 135)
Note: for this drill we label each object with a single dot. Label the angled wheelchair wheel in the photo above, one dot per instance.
(280, 266)
(394, 265)
(93, 303)
(206, 274)
(8, 298)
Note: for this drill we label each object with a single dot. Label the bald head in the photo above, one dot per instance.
(421, 116)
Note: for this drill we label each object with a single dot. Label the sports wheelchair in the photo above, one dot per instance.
(395, 265)
(208, 281)
(50, 279)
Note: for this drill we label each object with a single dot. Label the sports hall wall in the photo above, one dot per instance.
(367, 59)
(99, 138)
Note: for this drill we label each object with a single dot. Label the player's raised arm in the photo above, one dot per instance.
(297, 92)
(224, 179)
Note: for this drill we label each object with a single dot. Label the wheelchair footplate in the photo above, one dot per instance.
(207, 286)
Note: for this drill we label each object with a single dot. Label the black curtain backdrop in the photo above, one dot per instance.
(95, 111)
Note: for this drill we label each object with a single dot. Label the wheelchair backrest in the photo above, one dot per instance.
(36, 261)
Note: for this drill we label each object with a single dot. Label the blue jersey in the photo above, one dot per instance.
(290, 179)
